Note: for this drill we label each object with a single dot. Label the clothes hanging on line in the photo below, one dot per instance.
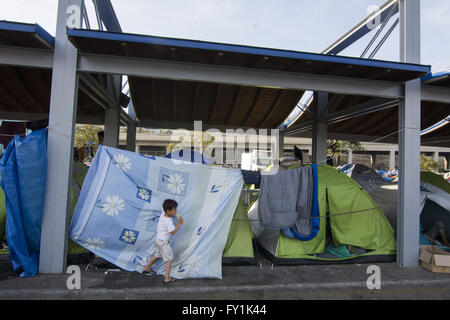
(289, 199)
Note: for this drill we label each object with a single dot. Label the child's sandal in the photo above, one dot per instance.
(171, 280)
(150, 272)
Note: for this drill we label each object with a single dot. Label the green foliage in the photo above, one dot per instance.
(85, 133)
(427, 164)
(336, 147)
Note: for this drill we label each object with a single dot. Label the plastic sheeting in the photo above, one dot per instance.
(366, 177)
(22, 170)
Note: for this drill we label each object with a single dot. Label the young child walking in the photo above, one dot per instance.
(163, 232)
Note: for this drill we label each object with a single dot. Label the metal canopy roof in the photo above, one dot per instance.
(441, 136)
(350, 115)
(25, 35)
(25, 91)
(440, 79)
(213, 104)
(25, 96)
(143, 46)
(223, 104)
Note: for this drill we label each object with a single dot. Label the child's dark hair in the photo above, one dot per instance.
(169, 204)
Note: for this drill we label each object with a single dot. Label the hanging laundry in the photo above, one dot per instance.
(308, 226)
(121, 201)
(288, 200)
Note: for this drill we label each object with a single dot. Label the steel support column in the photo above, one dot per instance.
(373, 159)
(112, 114)
(112, 126)
(60, 143)
(409, 140)
(392, 159)
(436, 156)
(319, 141)
(281, 145)
(131, 136)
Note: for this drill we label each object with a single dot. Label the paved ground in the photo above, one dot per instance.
(243, 282)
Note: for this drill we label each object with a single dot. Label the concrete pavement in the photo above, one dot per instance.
(239, 282)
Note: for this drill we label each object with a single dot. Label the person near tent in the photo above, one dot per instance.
(436, 230)
(330, 161)
(100, 135)
(162, 243)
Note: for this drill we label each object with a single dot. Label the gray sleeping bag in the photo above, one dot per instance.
(285, 199)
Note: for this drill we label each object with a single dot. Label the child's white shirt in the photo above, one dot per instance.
(165, 227)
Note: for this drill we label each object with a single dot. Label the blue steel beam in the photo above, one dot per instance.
(384, 14)
(362, 28)
(107, 15)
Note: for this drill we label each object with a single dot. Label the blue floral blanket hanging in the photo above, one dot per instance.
(121, 201)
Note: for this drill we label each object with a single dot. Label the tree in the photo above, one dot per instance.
(85, 133)
(427, 164)
(337, 147)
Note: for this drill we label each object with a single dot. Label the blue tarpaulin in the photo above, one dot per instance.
(23, 173)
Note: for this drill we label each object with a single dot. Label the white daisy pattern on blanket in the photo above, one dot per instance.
(117, 212)
(176, 184)
(94, 243)
(112, 205)
(173, 182)
(122, 162)
(144, 194)
(129, 236)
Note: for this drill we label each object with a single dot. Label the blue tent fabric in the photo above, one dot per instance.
(422, 239)
(22, 170)
(252, 177)
(121, 201)
(315, 223)
(194, 157)
(288, 233)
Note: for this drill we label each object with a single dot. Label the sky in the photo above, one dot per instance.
(300, 25)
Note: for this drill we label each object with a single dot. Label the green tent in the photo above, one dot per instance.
(75, 252)
(435, 180)
(239, 246)
(357, 229)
